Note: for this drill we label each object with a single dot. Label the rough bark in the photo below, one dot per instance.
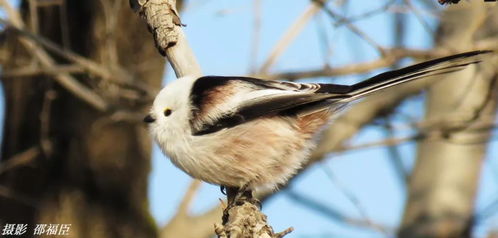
(443, 185)
(245, 220)
(89, 167)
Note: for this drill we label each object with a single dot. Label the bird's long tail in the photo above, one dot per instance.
(429, 68)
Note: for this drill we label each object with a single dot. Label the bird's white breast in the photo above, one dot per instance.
(264, 153)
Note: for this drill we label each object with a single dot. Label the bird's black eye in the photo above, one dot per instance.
(167, 112)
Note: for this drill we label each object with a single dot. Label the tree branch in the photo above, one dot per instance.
(165, 25)
(289, 36)
(332, 213)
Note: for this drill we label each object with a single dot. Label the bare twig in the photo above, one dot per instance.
(20, 159)
(289, 36)
(255, 36)
(353, 199)
(33, 13)
(350, 26)
(325, 43)
(182, 226)
(391, 56)
(328, 72)
(395, 157)
(368, 14)
(419, 17)
(385, 142)
(487, 211)
(432, 133)
(332, 213)
(189, 197)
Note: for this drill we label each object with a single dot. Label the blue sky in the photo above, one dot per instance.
(220, 32)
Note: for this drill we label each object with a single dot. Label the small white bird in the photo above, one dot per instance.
(246, 132)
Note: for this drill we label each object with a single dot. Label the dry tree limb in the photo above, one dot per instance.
(184, 206)
(165, 25)
(243, 219)
(182, 221)
(256, 32)
(247, 221)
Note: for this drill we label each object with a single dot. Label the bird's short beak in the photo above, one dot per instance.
(149, 119)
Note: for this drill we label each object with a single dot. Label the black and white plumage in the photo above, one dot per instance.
(236, 131)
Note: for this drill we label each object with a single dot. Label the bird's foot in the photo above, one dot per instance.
(238, 196)
(223, 190)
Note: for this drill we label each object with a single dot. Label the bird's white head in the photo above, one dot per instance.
(171, 111)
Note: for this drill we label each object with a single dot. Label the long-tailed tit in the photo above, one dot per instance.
(238, 131)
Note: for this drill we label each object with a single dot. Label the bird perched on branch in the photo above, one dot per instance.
(253, 133)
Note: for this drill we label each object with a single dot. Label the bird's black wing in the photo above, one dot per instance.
(223, 102)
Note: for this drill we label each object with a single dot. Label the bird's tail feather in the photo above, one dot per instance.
(429, 68)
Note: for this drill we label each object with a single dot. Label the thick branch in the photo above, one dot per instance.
(164, 23)
(444, 181)
(242, 217)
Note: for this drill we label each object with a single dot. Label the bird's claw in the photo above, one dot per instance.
(237, 197)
